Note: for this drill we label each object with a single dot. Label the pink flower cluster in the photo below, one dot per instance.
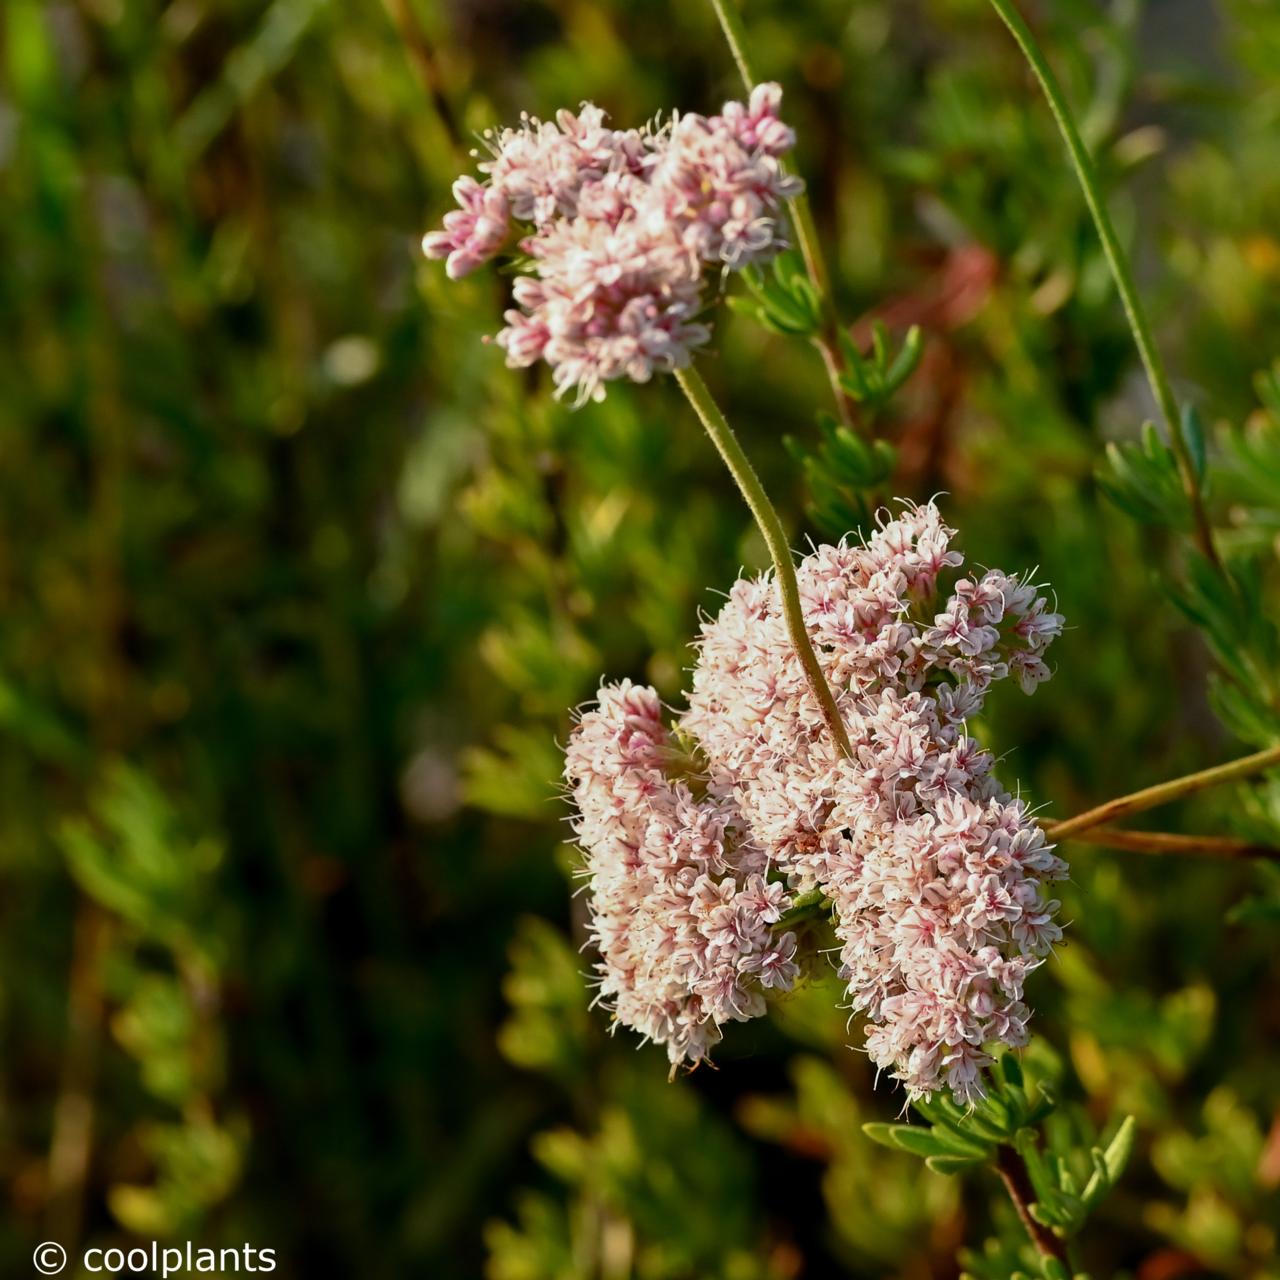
(934, 872)
(622, 225)
(681, 906)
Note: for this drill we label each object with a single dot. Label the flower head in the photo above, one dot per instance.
(935, 872)
(609, 301)
(718, 185)
(620, 228)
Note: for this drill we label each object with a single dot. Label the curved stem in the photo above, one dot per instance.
(735, 35)
(1120, 271)
(1163, 792)
(828, 340)
(766, 518)
(1175, 843)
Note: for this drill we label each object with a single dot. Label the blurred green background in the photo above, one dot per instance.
(298, 584)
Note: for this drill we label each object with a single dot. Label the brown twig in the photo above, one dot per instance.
(1162, 793)
(71, 1141)
(1013, 1173)
(1170, 842)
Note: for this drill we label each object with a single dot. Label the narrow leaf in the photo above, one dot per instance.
(1120, 1148)
(1193, 432)
(951, 1165)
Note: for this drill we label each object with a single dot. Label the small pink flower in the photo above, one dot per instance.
(474, 232)
(757, 124)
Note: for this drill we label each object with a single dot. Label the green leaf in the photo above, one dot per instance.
(1069, 1209)
(854, 378)
(907, 360)
(880, 344)
(999, 1111)
(1044, 1215)
(1046, 1102)
(872, 379)
(1054, 1269)
(1193, 433)
(807, 299)
(960, 1143)
(787, 305)
(919, 1141)
(951, 1165)
(942, 1112)
(1028, 1147)
(1011, 1069)
(879, 1131)
(1099, 1182)
(1120, 1148)
(1141, 478)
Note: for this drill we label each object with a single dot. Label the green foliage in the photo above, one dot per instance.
(638, 1189)
(783, 299)
(131, 857)
(1223, 1172)
(167, 943)
(1071, 1182)
(198, 1166)
(547, 1029)
(881, 1206)
(1068, 1178)
(873, 378)
(1143, 480)
(840, 475)
(1232, 612)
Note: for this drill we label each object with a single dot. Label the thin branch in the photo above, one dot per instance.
(1120, 270)
(1163, 792)
(775, 537)
(828, 340)
(735, 34)
(1171, 842)
(1013, 1173)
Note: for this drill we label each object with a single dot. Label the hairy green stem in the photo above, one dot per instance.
(766, 518)
(1120, 270)
(735, 35)
(828, 340)
(1163, 792)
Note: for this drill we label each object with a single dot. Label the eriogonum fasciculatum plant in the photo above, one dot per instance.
(699, 838)
(823, 759)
